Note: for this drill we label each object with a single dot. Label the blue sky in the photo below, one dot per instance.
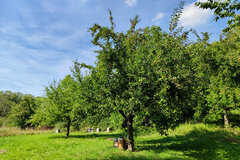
(39, 39)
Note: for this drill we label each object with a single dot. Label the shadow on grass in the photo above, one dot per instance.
(117, 157)
(91, 135)
(198, 144)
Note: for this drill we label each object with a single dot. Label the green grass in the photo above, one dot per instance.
(186, 142)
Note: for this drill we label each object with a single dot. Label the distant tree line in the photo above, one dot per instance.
(143, 77)
(17, 108)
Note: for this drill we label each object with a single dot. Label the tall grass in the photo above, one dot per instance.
(9, 131)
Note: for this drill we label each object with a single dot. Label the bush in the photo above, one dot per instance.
(115, 121)
(234, 118)
(61, 125)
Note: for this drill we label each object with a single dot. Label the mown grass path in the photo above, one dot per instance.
(187, 142)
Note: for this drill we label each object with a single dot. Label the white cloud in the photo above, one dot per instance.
(130, 3)
(30, 60)
(193, 16)
(158, 17)
(36, 50)
(29, 70)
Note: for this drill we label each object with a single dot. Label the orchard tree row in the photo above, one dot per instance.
(146, 76)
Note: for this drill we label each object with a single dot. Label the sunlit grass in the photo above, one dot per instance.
(188, 141)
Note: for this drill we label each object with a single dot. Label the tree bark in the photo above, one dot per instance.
(124, 124)
(130, 133)
(225, 116)
(129, 120)
(122, 113)
(68, 126)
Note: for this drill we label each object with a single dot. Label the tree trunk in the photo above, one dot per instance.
(129, 120)
(130, 133)
(124, 124)
(68, 126)
(226, 121)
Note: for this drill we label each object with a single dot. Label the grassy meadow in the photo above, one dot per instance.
(188, 141)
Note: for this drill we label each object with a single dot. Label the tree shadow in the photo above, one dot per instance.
(137, 157)
(91, 136)
(198, 144)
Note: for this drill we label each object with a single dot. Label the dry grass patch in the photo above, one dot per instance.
(2, 151)
(10, 131)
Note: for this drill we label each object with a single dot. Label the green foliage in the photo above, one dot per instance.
(223, 9)
(7, 100)
(175, 18)
(21, 112)
(2, 121)
(90, 110)
(234, 116)
(45, 114)
(202, 64)
(216, 69)
(4, 105)
(224, 83)
(145, 72)
(115, 121)
(64, 98)
(61, 125)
